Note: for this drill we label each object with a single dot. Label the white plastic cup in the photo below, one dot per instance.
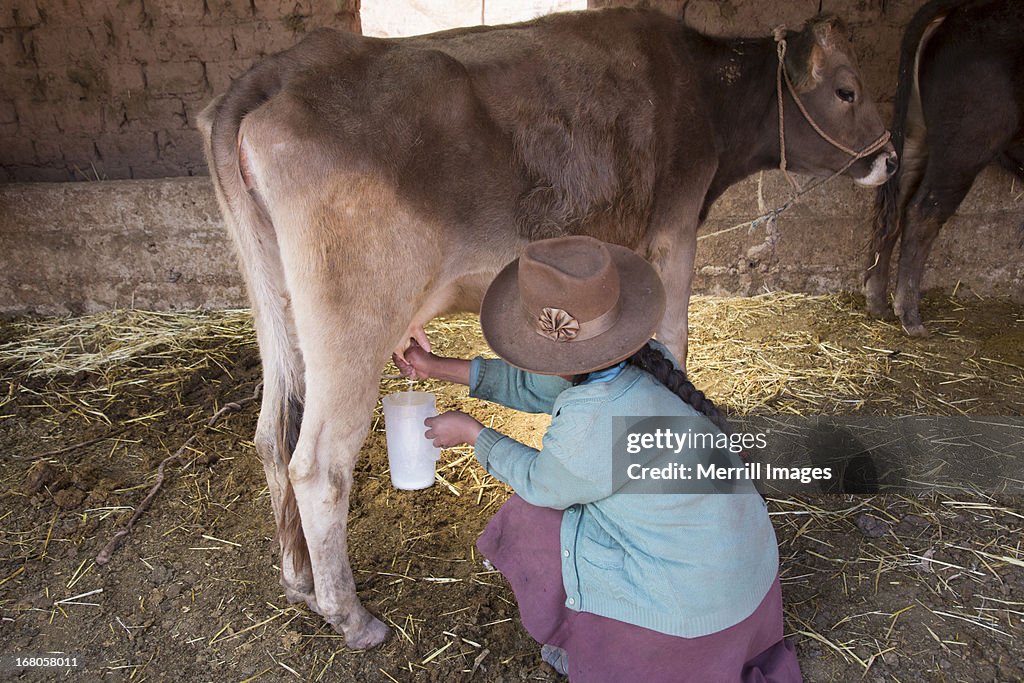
(411, 455)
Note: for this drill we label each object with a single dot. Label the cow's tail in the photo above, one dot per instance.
(256, 243)
(886, 225)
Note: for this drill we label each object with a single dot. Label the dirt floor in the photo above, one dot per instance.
(877, 588)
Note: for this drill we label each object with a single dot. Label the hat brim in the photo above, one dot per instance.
(513, 337)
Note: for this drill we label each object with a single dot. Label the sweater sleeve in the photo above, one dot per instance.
(496, 381)
(561, 474)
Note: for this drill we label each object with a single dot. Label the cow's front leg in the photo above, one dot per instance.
(674, 259)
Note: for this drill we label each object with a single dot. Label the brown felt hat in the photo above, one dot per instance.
(571, 305)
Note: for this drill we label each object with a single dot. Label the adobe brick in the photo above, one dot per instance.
(111, 170)
(35, 117)
(162, 14)
(144, 112)
(57, 45)
(17, 150)
(19, 82)
(182, 147)
(175, 78)
(78, 149)
(218, 43)
(63, 12)
(125, 79)
(19, 14)
(278, 9)
(229, 10)
(220, 74)
(260, 38)
(12, 48)
(178, 44)
(41, 174)
(140, 45)
(86, 78)
(78, 116)
(330, 15)
(47, 151)
(119, 14)
(126, 148)
(7, 112)
(163, 169)
(87, 171)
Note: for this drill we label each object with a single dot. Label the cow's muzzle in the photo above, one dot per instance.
(883, 166)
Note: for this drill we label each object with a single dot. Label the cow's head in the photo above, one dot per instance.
(823, 70)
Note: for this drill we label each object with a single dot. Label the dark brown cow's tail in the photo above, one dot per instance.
(256, 243)
(886, 226)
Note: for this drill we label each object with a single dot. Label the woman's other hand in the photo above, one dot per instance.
(453, 428)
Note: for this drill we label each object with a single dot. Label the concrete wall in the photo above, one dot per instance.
(79, 247)
(110, 89)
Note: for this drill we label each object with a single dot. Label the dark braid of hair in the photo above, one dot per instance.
(653, 361)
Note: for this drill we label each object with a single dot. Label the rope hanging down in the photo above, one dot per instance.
(781, 76)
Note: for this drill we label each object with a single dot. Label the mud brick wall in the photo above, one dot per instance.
(875, 25)
(110, 89)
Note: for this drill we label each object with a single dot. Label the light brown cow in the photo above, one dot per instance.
(371, 185)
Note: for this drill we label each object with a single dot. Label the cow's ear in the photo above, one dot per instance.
(809, 51)
(805, 59)
(826, 30)
(815, 67)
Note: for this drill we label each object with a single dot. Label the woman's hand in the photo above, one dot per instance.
(422, 364)
(418, 362)
(452, 429)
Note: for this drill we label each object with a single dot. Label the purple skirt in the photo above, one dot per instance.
(522, 542)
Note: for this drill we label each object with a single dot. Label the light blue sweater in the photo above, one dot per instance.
(683, 564)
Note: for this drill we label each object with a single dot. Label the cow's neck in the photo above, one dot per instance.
(739, 79)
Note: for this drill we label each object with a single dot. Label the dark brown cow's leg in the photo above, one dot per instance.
(948, 176)
(876, 287)
(930, 208)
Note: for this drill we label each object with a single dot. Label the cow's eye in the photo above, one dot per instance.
(845, 95)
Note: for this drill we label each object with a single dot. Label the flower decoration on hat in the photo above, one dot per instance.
(557, 325)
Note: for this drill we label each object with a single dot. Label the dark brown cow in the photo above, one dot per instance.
(371, 185)
(959, 107)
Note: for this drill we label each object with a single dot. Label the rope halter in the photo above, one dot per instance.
(768, 218)
(782, 76)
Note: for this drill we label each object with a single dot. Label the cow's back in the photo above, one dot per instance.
(556, 125)
(978, 50)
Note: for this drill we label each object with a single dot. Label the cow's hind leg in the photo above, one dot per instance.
(358, 268)
(281, 410)
(936, 199)
(947, 179)
(339, 405)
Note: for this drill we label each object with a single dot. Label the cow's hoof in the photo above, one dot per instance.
(880, 311)
(916, 330)
(294, 597)
(368, 633)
